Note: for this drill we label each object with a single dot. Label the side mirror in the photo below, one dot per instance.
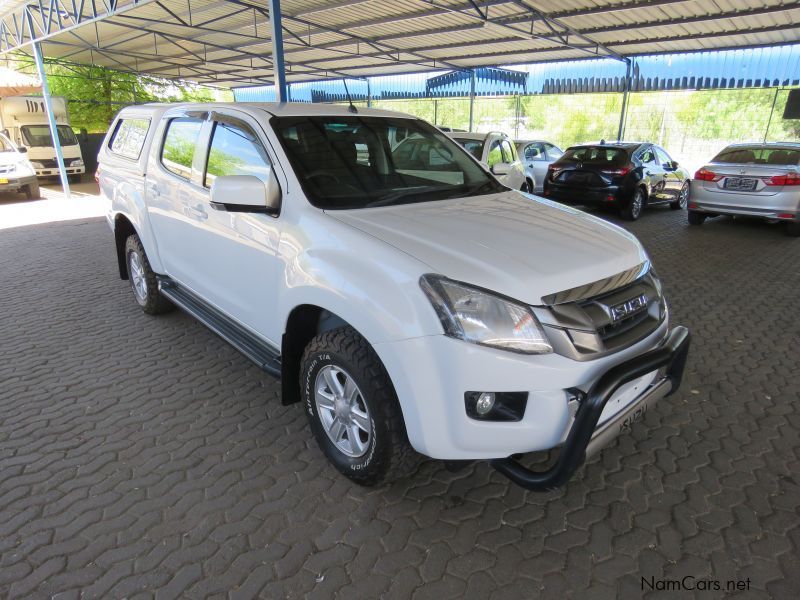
(671, 166)
(501, 168)
(246, 193)
(22, 149)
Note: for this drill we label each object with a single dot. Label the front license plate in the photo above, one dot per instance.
(3, 180)
(743, 184)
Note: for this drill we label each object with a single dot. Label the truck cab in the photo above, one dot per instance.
(24, 121)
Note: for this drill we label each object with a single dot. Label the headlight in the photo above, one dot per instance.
(480, 317)
(25, 169)
(78, 162)
(37, 165)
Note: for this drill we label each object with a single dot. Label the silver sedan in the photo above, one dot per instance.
(757, 180)
(536, 156)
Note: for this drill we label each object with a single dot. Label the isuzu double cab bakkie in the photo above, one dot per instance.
(410, 302)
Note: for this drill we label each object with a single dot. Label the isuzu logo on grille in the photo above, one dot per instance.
(628, 308)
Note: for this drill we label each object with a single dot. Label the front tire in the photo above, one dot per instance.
(352, 408)
(527, 187)
(74, 178)
(683, 198)
(696, 218)
(32, 191)
(634, 208)
(143, 280)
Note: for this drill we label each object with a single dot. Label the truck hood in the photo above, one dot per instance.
(512, 244)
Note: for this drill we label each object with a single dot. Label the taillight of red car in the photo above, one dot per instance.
(788, 179)
(707, 175)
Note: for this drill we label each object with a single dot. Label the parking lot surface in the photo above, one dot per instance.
(144, 457)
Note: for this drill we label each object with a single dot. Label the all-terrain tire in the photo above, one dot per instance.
(388, 455)
(144, 283)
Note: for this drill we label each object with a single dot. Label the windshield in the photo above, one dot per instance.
(474, 147)
(347, 162)
(595, 155)
(38, 136)
(758, 155)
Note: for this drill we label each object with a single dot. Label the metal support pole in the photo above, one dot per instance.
(278, 66)
(771, 112)
(518, 115)
(369, 94)
(435, 112)
(51, 120)
(471, 99)
(624, 112)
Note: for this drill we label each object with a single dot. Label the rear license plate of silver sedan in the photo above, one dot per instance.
(741, 184)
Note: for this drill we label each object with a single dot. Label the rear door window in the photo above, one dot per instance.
(235, 150)
(180, 142)
(509, 154)
(553, 152)
(128, 138)
(534, 152)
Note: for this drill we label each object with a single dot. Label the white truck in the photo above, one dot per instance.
(23, 119)
(410, 302)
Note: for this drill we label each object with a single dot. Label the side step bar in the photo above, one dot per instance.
(261, 353)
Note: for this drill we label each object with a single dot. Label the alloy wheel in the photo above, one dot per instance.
(138, 278)
(342, 411)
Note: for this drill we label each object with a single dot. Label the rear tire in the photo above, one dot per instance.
(32, 191)
(143, 280)
(634, 208)
(793, 229)
(353, 410)
(696, 218)
(683, 197)
(527, 187)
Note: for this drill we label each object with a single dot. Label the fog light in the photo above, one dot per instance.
(495, 406)
(485, 403)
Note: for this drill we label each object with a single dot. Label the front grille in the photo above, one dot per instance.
(47, 163)
(608, 322)
(5, 169)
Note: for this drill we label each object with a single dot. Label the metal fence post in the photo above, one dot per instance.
(518, 116)
(51, 119)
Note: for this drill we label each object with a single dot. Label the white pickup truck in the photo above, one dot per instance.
(410, 302)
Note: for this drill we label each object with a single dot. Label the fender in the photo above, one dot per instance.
(128, 200)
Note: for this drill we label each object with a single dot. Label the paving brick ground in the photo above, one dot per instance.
(143, 457)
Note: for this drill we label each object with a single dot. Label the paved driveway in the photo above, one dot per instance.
(142, 456)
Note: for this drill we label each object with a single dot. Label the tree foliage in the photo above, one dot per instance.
(96, 94)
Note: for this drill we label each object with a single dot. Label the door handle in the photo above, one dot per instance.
(199, 211)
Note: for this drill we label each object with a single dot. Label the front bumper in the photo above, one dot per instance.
(54, 172)
(585, 438)
(15, 184)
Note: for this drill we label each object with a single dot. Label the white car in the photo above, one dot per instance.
(16, 171)
(537, 156)
(410, 302)
(496, 151)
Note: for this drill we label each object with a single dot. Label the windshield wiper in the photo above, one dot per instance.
(394, 196)
(485, 187)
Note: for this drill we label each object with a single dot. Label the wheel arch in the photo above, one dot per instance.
(304, 322)
(123, 229)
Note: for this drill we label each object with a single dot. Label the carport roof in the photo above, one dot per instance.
(227, 43)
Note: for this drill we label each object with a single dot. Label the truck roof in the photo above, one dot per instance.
(287, 109)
